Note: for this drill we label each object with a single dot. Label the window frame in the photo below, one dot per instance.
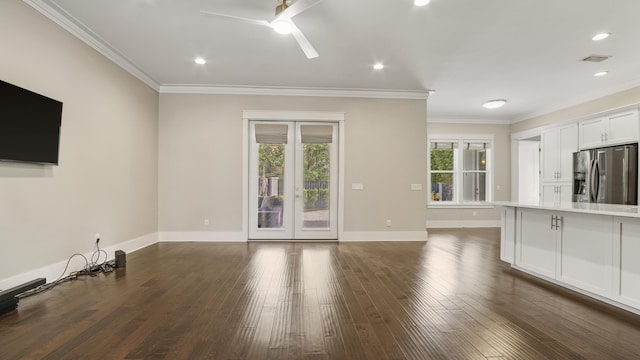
(459, 171)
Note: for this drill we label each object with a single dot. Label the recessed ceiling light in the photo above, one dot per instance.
(420, 2)
(494, 104)
(378, 66)
(282, 26)
(200, 61)
(600, 36)
(601, 73)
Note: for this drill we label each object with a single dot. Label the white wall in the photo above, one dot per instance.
(200, 168)
(106, 181)
(613, 101)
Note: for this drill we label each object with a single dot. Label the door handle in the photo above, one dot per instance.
(592, 181)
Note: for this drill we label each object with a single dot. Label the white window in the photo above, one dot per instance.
(460, 170)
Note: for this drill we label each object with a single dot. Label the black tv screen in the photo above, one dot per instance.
(29, 125)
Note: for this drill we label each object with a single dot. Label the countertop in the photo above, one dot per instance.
(585, 208)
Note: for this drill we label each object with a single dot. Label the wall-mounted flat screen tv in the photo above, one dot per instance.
(29, 126)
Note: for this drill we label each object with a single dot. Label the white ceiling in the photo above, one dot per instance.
(526, 51)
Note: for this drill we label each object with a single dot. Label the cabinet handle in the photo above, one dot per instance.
(559, 219)
(605, 137)
(601, 137)
(552, 222)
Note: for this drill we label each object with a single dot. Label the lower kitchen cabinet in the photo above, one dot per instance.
(597, 255)
(586, 252)
(508, 234)
(536, 242)
(629, 266)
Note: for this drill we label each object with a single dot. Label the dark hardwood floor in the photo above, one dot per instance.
(448, 298)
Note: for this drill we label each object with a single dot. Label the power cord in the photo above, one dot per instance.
(91, 268)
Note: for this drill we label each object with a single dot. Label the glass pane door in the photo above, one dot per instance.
(293, 180)
(271, 180)
(316, 181)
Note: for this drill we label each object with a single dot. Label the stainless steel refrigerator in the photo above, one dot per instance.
(606, 175)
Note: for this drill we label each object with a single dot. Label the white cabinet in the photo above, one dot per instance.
(557, 148)
(594, 254)
(537, 241)
(586, 252)
(609, 130)
(557, 192)
(628, 248)
(576, 249)
(508, 234)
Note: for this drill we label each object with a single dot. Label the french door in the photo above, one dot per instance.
(293, 192)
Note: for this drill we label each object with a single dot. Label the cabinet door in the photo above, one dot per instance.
(586, 252)
(549, 145)
(536, 242)
(629, 267)
(550, 192)
(508, 235)
(591, 133)
(568, 138)
(565, 192)
(623, 128)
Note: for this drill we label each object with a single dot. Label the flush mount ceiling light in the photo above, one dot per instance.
(282, 26)
(200, 61)
(494, 104)
(420, 2)
(378, 66)
(600, 36)
(600, 73)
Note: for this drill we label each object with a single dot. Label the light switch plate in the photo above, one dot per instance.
(357, 186)
(416, 187)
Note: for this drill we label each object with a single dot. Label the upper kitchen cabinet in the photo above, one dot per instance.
(557, 146)
(620, 128)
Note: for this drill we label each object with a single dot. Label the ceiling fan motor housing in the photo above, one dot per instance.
(284, 4)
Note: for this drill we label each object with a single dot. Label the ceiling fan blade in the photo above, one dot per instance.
(305, 45)
(297, 7)
(238, 18)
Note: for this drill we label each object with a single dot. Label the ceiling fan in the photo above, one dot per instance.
(282, 23)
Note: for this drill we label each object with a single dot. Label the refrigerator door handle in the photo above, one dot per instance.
(592, 188)
(596, 180)
(625, 176)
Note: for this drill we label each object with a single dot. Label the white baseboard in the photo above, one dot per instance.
(52, 272)
(216, 236)
(436, 224)
(355, 236)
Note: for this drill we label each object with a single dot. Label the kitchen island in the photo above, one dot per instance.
(590, 248)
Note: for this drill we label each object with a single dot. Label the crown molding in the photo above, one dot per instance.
(54, 13)
(284, 91)
(467, 121)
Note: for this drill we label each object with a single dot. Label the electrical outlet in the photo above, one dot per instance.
(206, 222)
(475, 213)
(388, 223)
